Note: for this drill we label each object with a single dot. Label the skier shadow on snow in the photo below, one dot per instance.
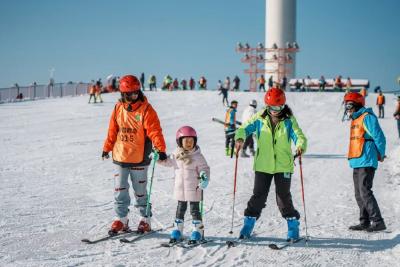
(324, 156)
(253, 241)
(349, 243)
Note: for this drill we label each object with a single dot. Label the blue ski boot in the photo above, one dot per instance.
(176, 234)
(197, 233)
(293, 229)
(248, 226)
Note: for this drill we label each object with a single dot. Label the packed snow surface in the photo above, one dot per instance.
(56, 190)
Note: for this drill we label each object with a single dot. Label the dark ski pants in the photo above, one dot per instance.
(262, 183)
(261, 86)
(94, 97)
(398, 127)
(369, 210)
(225, 98)
(194, 210)
(248, 143)
(229, 139)
(381, 109)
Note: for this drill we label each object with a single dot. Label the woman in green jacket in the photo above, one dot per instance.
(275, 128)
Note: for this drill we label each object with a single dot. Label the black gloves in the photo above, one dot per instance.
(104, 155)
(162, 156)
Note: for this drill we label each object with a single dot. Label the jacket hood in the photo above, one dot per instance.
(361, 111)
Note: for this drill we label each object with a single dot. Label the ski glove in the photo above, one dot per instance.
(162, 156)
(203, 180)
(105, 155)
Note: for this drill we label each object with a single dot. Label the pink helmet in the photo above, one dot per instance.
(185, 131)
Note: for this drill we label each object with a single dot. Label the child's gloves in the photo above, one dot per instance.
(203, 180)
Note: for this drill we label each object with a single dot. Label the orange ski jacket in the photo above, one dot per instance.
(131, 134)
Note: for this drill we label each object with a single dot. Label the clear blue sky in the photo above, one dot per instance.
(88, 39)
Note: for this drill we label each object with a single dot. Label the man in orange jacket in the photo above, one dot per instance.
(380, 102)
(134, 129)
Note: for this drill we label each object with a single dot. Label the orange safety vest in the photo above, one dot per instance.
(228, 118)
(92, 89)
(380, 100)
(357, 138)
(129, 147)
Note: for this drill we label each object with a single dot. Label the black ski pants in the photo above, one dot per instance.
(262, 183)
(225, 99)
(369, 209)
(230, 139)
(194, 210)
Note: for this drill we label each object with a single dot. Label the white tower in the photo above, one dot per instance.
(280, 29)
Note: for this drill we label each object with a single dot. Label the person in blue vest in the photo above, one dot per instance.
(366, 148)
(230, 127)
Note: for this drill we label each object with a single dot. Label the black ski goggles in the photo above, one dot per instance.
(131, 93)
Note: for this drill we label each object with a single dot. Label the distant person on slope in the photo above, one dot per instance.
(92, 92)
(275, 128)
(134, 129)
(380, 102)
(230, 127)
(261, 82)
(236, 83)
(192, 175)
(396, 114)
(248, 113)
(224, 91)
(367, 147)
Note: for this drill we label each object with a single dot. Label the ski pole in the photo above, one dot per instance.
(234, 190)
(302, 195)
(202, 210)
(155, 158)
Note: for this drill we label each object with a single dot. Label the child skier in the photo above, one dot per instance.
(366, 148)
(134, 128)
(275, 127)
(192, 175)
(230, 127)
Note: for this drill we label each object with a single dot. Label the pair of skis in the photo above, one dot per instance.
(137, 236)
(274, 246)
(183, 244)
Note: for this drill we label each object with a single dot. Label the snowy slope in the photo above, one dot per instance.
(56, 190)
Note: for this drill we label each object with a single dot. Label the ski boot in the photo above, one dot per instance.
(176, 234)
(359, 227)
(293, 229)
(228, 151)
(244, 155)
(197, 233)
(248, 226)
(376, 226)
(144, 225)
(119, 225)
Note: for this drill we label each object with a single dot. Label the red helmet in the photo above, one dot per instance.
(354, 97)
(185, 131)
(275, 97)
(129, 83)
